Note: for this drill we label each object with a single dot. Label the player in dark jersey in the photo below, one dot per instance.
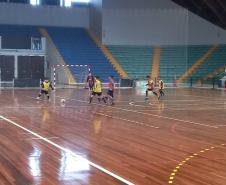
(90, 81)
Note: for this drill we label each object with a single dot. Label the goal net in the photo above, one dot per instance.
(68, 76)
(6, 79)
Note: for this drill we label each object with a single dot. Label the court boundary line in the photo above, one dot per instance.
(37, 138)
(216, 99)
(221, 125)
(144, 113)
(176, 107)
(189, 158)
(127, 120)
(98, 167)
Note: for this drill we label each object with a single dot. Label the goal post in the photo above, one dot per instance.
(6, 83)
(78, 75)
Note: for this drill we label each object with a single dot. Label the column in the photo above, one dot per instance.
(15, 66)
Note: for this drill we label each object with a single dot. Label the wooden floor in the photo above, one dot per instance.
(179, 140)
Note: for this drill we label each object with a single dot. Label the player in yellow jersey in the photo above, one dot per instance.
(161, 87)
(97, 90)
(45, 85)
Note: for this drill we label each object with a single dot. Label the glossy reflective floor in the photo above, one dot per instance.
(177, 140)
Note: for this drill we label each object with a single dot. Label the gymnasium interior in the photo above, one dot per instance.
(178, 138)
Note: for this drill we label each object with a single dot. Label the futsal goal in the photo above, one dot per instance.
(6, 79)
(69, 76)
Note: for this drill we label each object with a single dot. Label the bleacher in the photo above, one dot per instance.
(194, 54)
(217, 60)
(173, 62)
(76, 47)
(135, 60)
(176, 60)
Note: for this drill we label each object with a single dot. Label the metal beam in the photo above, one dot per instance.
(211, 4)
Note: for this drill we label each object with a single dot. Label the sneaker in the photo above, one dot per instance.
(104, 100)
(90, 100)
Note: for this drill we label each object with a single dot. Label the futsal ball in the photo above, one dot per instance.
(62, 100)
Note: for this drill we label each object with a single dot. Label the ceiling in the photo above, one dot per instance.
(211, 10)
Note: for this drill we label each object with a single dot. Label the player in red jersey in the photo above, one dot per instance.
(111, 88)
(150, 87)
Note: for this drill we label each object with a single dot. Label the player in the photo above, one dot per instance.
(151, 87)
(90, 81)
(45, 85)
(161, 88)
(111, 88)
(97, 90)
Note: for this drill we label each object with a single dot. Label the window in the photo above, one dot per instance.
(68, 3)
(19, 1)
(50, 2)
(34, 2)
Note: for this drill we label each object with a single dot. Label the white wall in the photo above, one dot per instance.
(96, 17)
(145, 27)
(204, 32)
(139, 4)
(140, 22)
(11, 13)
(152, 22)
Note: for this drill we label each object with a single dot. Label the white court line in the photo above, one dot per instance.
(69, 152)
(170, 105)
(196, 109)
(213, 99)
(147, 106)
(37, 138)
(115, 117)
(149, 114)
(185, 104)
(136, 122)
(173, 100)
(39, 107)
(194, 104)
(175, 108)
(23, 133)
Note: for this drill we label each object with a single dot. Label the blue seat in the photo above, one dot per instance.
(76, 47)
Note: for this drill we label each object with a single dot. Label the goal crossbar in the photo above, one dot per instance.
(67, 65)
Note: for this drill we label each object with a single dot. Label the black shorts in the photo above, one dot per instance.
(150, 89)
(110, 93)
(91, 86)
(44, 92)
(97, 93)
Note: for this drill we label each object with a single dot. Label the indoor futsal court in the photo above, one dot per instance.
(112, 92)
(180, 138)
